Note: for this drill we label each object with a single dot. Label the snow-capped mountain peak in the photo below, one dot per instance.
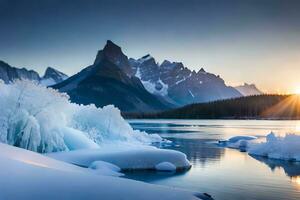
(248, 89)
(52, 76)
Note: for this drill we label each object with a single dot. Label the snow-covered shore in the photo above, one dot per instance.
(29, 175)
(63, 136)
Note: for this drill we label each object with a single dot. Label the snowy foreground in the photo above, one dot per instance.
(76, 151)
(28, 175)
(275, 147)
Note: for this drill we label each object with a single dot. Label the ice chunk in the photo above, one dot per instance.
(165, 166)
(238, 142)
(276, 147)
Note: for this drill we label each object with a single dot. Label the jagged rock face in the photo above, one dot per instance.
(52, 77)
(106, 82)
(55, 75)
(176, 82)
(248, 89)
(9, 73)
(114, 54)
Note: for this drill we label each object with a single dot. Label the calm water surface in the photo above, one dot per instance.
(224, 173)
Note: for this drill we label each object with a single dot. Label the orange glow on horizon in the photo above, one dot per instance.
(289, 107)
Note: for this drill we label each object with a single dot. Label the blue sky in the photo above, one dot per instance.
(242, 41)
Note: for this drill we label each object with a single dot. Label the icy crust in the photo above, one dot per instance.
(43, 120)
(133, 158)
(276, 147)
(28, 175)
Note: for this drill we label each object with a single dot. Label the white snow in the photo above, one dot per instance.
(43, 120)
(150, 86)
(28, 175)
(127, 158)
(191, 93)
(47, 82)
(177, 82)
(105, 168)
(276, 147)
(165, 166)
(241, 142)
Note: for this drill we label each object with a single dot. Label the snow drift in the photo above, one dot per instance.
(126, 158)
(41, 119)
(276, 147)
(28, 175)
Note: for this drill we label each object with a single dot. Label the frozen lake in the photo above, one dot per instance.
(224, 173)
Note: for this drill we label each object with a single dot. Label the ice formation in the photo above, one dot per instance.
(43, 120)
(276, 147)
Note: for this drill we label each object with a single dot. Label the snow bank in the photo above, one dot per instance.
(241, 142)
(28, 175)
(130, 158)
(105, 168)
(165, 166)
(276, 147)
(43, 120)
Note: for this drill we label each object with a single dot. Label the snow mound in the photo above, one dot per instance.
(41, 119)
(105, 168)
(165, 166)
(276, 147)
(133, 158)
(28, 175)
(241, 142)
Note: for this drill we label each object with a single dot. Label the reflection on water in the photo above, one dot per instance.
(292, 169)
(224, 173)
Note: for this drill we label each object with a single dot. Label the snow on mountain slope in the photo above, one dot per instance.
(52, 76)
(173, 80)
(9, 74)
(111, 78)
(248, 89)
(28, 175)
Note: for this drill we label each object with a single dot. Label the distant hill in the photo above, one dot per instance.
(251, 107)
(248, 89)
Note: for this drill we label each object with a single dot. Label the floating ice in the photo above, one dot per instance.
(238, 142)
(276, 147)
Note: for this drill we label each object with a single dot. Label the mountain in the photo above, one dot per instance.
(110, 81)
(178, 84)
(248, 89)
(9, 74)
(52, 76)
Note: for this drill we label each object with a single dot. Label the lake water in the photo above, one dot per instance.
(221, 172)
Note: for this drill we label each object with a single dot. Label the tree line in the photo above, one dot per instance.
(266, 106)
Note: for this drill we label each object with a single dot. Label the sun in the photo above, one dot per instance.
(297, 91)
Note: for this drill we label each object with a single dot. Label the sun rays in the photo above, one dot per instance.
(288, 108)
